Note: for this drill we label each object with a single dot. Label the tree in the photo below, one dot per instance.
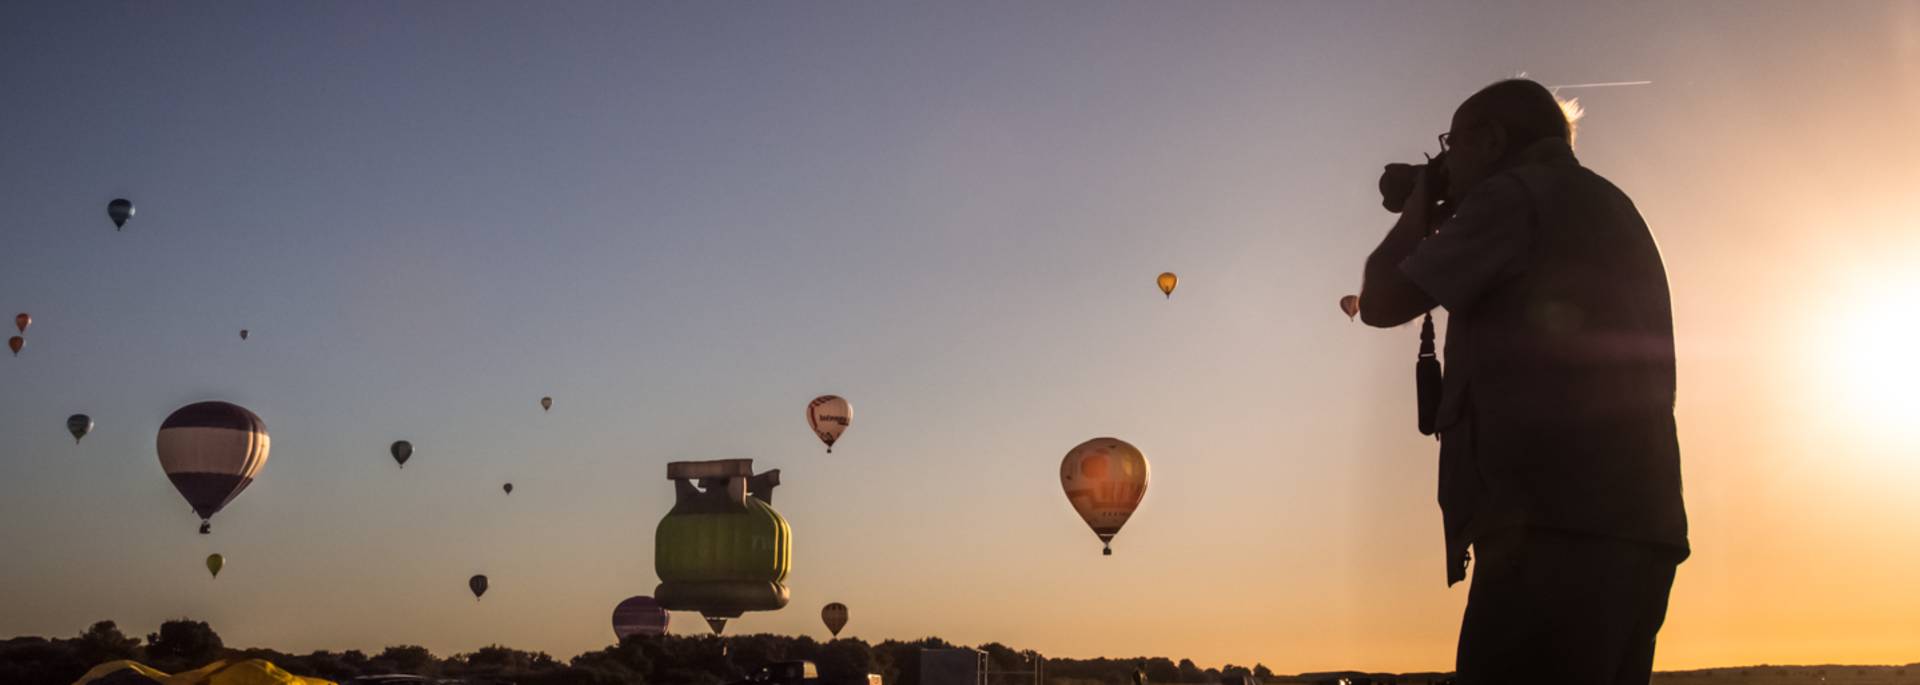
(1161, 670)
(104, 642)
(1189, 673)
(1261, 671)
(184, 644)
(413, 659)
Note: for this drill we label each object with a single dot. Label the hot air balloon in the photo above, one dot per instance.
(79, 425)
(546, 404)
(835, 616)
(402, 451)
(15, 343)
(1104, 479)
(1167, 281)
(478, 584)
(212, 451)
(243, 334)
(120, 211)
(215, 562)
(639, 616)
(1351, 305)
(722, 550)
(22, 321)
(829, 416)
(508, 488)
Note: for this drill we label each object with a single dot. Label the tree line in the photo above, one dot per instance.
(185, 644)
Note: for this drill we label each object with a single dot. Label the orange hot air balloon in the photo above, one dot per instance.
(16, 343)
(22, 321)
(1104, 479)
(1351, 305)
(1167, 282)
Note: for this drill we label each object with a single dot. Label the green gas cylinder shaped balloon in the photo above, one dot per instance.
(722, 550)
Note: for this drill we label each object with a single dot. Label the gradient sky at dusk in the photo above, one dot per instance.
(683, 220)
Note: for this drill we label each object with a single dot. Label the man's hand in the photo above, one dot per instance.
(1387, 297)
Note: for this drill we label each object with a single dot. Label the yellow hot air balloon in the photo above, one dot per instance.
(215, 562)
(1104, 479)
(1167, 282)
(1351, 305)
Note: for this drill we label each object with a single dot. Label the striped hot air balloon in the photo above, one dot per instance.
(639, 615)
(211, 451)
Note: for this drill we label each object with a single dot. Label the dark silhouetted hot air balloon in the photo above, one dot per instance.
(835, 616)
(79, 425)
(639, 616)
(1167, 281)
(722, 550)
(243, 334)
(829, 416)
(546, 404)
(1350, 305)
(15, 343)
(22, 321)
(120, 211)
(478, 584)
(212, 451)
(1104, 479)
(216, 562)
(402, 451)
(508, 488)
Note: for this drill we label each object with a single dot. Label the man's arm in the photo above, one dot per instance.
(1387, 297)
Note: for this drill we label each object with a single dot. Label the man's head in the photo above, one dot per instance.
(1491, 128)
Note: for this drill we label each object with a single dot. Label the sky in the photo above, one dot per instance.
(684, 220)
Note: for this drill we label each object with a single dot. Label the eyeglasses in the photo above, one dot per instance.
(1445, 141)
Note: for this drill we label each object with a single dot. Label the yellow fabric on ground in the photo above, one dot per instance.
(112, 667)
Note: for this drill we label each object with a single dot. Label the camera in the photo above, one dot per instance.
(1397, 181)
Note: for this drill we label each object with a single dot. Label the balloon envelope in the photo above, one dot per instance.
(120, 211)
(22, 321)
(478, 584)
(79, 425)
(639, 615)
(1351, 305)
(402, 451)
(835, 616)
(1167, 281)
(212, 451)
(508, 487)
(829, 416)
(215, 562)
(243, 334)
(16, 343)
(1104, 479)
(546, 404)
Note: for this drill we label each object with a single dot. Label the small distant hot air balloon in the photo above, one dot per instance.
(829, 416)
(1167, 281)
(639, 616)
(546, 404)
(1351, 305)
(120, 211)
(1104, 479)
(835, 616)
(402, 451)
(478, 584)
(508, 487)
(22, 321)
(212, 451)
(243, 334)
(79, 425)
(215, 562)
(15, 343)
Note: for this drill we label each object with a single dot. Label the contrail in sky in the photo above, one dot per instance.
(1608, 84)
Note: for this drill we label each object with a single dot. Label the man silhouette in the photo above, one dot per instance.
(1559, 462)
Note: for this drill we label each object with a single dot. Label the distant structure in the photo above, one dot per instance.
(953, 667)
